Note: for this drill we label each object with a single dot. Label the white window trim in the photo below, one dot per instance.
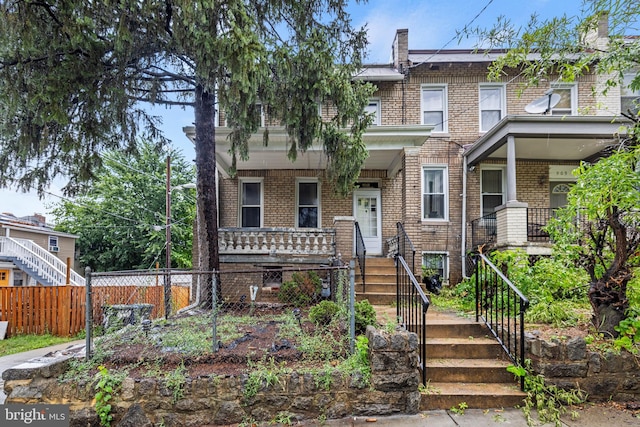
(503, 101)
(377, 120)
(445, 100)
(55, 247)
(504, 184)
(624, 87)
(318, 189)
(445, 169)
(446, 262)
(242, 181)
(574, 95)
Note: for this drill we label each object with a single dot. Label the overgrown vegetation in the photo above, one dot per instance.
(108, 384)
(302, 290)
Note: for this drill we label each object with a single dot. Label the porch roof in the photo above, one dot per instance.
(384, 143)
(539, 137)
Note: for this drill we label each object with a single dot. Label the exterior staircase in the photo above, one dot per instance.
(380, 284)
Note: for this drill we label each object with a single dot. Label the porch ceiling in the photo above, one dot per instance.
(385, 145)
(538, 137)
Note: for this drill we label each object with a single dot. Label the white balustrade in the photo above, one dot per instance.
(279, 241)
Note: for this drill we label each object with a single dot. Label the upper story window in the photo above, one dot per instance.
(492, 105)
(434, 107)
(629, 98)
(568, 104)
(53, 244)
(251, 203)
(308, 205)
(374, 108)
(491, 189)
(434, 193)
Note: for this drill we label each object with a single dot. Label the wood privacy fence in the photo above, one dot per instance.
(58, 310)
(61, 310)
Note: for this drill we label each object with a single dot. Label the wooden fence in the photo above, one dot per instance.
(60, 310)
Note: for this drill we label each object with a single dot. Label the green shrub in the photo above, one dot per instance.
(324, 312)
(365, 316)
(301, 290)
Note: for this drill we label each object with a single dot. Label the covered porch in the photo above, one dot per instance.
(555, 145)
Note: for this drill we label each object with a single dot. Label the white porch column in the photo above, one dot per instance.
(511, 169)
(511, 223)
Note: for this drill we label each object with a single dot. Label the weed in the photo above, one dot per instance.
(175, 381)
(459, 410)
(283, 418)
(428, 388)
(262, 373)
(323, 378)
(107, 385)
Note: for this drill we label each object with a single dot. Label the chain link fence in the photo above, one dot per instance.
(279, 312)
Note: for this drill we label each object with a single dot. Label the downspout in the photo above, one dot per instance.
(463, 246)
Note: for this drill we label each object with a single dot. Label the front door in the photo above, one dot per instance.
(558, 194)
(367, 210)
(4, 277)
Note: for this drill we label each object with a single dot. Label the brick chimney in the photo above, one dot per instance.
(40, 218)
(400, 48)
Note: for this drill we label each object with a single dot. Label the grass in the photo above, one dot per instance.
(21, 343)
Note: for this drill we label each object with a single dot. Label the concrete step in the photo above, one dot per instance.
(460, 348)
(469, 371)
(474, 395)
(377, 298)
(447, 328)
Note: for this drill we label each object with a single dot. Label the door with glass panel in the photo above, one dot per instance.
(367, 211)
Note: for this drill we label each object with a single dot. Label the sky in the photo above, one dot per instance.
(432, 24)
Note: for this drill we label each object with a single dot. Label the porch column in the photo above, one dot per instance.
(511, 169)
(511, 224)
(344, 242)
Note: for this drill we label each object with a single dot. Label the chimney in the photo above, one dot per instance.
(597, 32)
(400, 48)
(40, 218)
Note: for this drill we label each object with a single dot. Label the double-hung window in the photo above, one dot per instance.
(629, 98)
(568, 104)
(251, 203)
(492, 190)
(492, 102)
(374, 108)
(308, 206)
(434, 193)
(434, 107)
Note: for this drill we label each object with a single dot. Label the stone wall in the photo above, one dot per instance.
(569, 364)
(223, 400)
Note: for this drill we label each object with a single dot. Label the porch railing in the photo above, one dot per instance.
(411, 308)
(537, 219)
(501, 306)
(405, 246)
(483, 230)
(272, 241)
(361, 253)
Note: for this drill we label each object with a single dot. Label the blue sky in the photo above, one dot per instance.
(431, 23)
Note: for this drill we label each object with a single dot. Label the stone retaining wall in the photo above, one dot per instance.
(569, 364)
(222, 400)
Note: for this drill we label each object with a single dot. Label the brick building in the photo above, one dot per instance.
(458, 160)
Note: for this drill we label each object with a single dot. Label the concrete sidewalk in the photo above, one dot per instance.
(14, 360)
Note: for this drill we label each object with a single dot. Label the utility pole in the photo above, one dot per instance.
(167, 281)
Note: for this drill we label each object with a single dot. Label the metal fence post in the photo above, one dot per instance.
(214, 310)
(88, 313)
(352, 309)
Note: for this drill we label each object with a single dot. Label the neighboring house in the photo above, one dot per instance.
(31, 253)
(455, 158)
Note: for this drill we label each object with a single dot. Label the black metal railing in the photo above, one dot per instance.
(537, 219)
(501, 306)
(483, 231)
(361, 254)
(405, 246)
(411, 308)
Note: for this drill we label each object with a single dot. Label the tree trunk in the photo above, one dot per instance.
(207, 204)
(608, 297)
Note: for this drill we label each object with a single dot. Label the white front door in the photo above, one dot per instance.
(367, 210)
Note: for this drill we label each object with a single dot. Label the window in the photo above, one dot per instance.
(437, 263)
(53, 244)
(568, 104)
(251, 203)
(374, 108)
(308, 204)
(434, 192)
(492, 104)
(434, 107)
(629, 99)
(492, 190)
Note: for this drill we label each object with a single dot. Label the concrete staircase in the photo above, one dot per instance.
(380, 283)
(466, 364)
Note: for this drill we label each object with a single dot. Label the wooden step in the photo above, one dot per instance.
(474, 395)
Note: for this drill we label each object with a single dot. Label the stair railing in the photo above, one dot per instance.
(501, 306)
(406, 245)
(361, 253)
(35, 257)
(411, 308)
